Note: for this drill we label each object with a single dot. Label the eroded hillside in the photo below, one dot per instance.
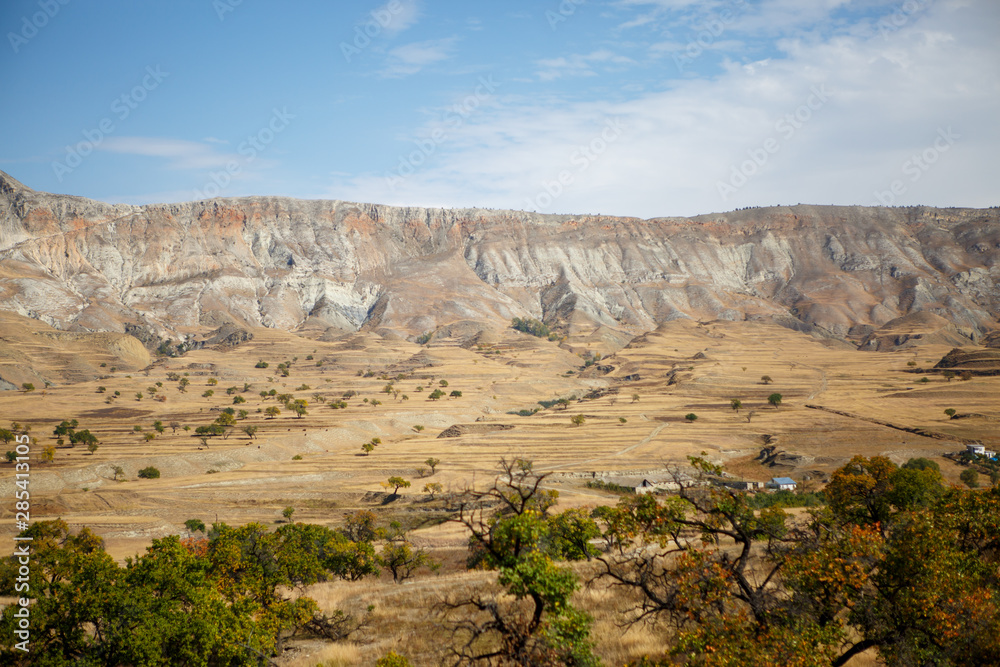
(282, 263)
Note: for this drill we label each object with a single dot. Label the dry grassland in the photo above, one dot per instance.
(683, 367)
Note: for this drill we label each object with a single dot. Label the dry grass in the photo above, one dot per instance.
(257, 478)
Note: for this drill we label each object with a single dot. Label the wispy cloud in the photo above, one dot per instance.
(888, 97)
(179, 153)
(411, 58)
(404, 17)
(578, 64)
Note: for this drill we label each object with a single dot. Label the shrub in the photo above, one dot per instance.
(149, 472)
(970, 477)
(529, 325)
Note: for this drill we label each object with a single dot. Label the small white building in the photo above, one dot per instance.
(980, 450)
(782, 484)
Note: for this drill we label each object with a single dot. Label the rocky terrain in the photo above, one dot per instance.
(181, 269)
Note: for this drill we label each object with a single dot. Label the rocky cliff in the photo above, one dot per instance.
(83, 265)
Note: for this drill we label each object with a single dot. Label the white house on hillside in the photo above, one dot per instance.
(782, 484)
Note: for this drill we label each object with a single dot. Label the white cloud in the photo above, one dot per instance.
(411, 58)
(181, 154)
(887, 97)
(578, 64)
(403, 17)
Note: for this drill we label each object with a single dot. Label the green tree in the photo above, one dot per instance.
(360, 526)
(970, 477)
(922, 464)
(402, 560)
(774, 399)
(533, 621)
(691, 416)
(272, 411)
(397, 483)
(433, 488)
(28, 387)
(736, 404)
(951, 412)
(432, 462)
(766, 379)
(299, 407)
(149, 472)
(578, 420)
(226, 421)
(393, 659)
(287, 513)
(195, 525)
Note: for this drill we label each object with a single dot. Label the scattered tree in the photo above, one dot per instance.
(970, 477)
(766, 379)
(397, 483)
(402, 560)
(195, 525)
(774, 399)
(736, 404)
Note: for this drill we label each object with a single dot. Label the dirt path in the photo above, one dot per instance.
(908, 429)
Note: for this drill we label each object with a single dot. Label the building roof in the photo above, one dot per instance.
(782, 480)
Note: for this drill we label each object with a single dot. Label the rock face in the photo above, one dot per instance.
(82, 265)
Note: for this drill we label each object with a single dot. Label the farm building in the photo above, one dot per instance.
(782, 484)
(743, 485)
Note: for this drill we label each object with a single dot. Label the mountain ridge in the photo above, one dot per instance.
(80, 264)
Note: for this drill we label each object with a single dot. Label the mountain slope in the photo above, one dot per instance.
(79, 264)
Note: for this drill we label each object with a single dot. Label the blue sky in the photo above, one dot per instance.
(626, 107)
